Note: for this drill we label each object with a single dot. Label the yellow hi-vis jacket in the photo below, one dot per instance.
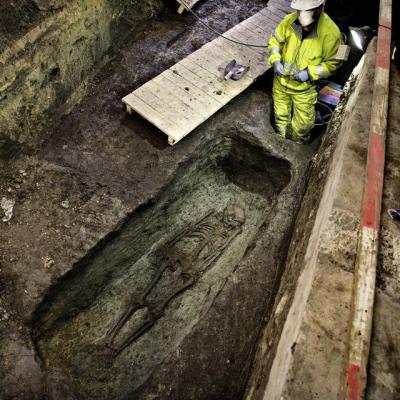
(316, 52)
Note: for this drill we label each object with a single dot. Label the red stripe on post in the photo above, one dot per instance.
(354, 382)
(372, 203)
(385, 22)
(374, 183)
(383, 49)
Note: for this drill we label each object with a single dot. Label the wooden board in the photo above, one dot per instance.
(190, 3)
(184, 96)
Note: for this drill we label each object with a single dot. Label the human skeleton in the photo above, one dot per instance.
(188, 255)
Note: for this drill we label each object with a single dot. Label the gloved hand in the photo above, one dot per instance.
(301, 76)
(278, 68)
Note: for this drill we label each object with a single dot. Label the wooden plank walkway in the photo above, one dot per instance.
(190, 3)
(184, 96)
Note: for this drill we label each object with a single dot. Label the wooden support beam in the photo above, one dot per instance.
(367, 256)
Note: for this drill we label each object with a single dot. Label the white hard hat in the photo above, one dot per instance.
(304, 5)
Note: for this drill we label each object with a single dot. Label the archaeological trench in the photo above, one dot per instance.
(130, 269)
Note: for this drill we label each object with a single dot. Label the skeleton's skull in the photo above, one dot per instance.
(233, 216)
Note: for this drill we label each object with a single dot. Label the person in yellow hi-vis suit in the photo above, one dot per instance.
(302, 51)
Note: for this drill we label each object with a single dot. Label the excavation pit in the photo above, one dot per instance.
(104, 188)
(199, 229)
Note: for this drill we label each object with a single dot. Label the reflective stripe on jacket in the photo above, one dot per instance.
(316, 52)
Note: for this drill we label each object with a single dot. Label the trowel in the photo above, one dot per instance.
(235, 71)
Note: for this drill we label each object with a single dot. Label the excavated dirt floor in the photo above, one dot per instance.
(94, 212)
(227, 173)
(105, 204)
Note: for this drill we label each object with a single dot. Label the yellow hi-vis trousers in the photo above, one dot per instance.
(294, 111)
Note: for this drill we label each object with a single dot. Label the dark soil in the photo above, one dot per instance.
(16, 17)
(105, 164)
(99, 166)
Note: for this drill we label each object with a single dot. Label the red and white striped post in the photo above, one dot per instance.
(365, 271)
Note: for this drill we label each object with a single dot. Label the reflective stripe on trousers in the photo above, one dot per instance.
(294, 111)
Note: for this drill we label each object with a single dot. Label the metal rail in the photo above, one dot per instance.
(366, 262)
